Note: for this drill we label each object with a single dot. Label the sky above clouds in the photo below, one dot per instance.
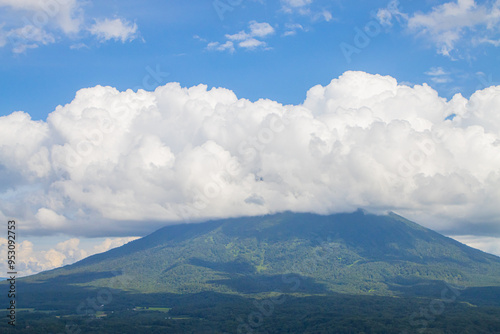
(119, 117)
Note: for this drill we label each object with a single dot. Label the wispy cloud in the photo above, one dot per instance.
(387, 15)
(66, 15)
(450, 25)
(303, 7)
(79, 46)
(439, 75)
(291, 5)
(216, 46)
(292, 28)
(452, 22)
(34, 23)
(250, 39)
(29, 37)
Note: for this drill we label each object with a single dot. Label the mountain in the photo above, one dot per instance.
(300, 253)
(282, 273)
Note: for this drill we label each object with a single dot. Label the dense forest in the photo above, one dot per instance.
(219, 313)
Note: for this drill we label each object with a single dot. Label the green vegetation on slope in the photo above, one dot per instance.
(350, 253)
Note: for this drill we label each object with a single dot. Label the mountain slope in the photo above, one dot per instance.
(355, 253)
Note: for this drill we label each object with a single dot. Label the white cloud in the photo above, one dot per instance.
(303, 7)
(79, 46)
(229, 46)
(296, 3)
(290, 5)
(241, 36)
(119, 163)
(116, 29)
(438, 75)
(32, 23)
(324, 15)
(261, 30)
(29, 37)
(436, 71)
(66, 14)
(455, 22)
(386, 15)
(199, 38)
(246, 40)
(50, 219)
(251, 43)
(292, 28)
(490, 41)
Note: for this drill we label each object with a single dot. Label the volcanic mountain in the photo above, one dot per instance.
(356, 253)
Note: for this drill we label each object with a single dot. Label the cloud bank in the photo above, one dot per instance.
(116, 163)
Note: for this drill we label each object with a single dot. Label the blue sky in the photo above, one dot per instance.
(304, 49)
(346, 121)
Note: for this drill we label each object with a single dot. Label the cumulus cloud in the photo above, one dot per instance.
(263, 29)
(31, 259)
(116, 163)
(116, 29)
